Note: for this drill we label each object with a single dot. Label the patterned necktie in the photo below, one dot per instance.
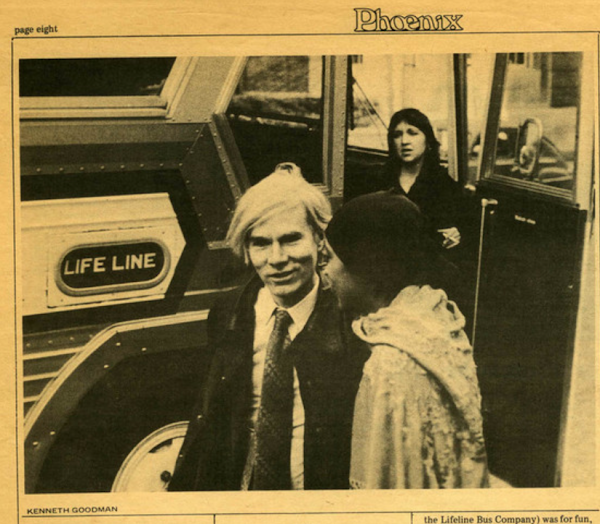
(275, 416)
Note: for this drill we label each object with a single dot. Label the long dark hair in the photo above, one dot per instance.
(414, 117)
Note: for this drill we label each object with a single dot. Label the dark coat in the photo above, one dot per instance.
(443, 205)
(328, 359)
(438, 196)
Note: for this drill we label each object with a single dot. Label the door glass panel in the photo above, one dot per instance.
(479, 77)
(275, 115)
(93, 76)
(536, 142)
(382, 85)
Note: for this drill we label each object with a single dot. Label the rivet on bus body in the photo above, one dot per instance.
(180, 164)
(61, 169)
(162, 164)
(193, 197)
(35, 444)
(117, 344)
(81, 168)
(144, 349)
(102, 168)
(141, 165)
(122, 166)
(187, 181)
(166, 476)
(106, 366)
(38, 170)
(52, 433)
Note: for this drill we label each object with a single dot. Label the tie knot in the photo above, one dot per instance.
(282, 320)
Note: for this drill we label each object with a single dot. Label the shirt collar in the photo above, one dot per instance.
(265, 306)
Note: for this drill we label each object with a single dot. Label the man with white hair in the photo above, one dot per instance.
(275, 411)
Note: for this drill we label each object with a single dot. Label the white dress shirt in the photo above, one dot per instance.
(264, 310)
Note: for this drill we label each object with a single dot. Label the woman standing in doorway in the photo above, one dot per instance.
(414, 170)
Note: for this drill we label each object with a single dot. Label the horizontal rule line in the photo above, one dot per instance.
(316, 513)
(353, 33)
(507, 511)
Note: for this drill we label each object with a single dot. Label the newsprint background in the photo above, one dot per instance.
(309, 28)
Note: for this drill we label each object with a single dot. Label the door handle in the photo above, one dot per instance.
(485, 202)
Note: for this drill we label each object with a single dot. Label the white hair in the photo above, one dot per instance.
(283, 189)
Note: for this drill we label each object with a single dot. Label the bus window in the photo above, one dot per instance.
(536, 139)
(382, 85)
(276, 115)
(93, 77)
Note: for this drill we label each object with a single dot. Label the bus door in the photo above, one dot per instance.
(534, 182)
(435, 84)
(516, 132)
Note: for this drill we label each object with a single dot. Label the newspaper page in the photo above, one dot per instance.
(130, 133)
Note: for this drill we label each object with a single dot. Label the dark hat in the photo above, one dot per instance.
(380, 237)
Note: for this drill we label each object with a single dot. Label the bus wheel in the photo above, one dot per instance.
(149, 467)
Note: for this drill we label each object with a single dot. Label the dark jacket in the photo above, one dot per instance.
(438, 196)
(443, 205)
(328, 360)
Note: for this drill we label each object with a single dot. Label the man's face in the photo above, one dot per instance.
(283, 250)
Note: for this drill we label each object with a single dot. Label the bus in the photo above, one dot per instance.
(130, 169)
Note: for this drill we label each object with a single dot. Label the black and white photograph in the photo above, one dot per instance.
(307, 272)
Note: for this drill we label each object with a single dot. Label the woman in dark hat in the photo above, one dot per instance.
(417, 420)
(414, 170)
